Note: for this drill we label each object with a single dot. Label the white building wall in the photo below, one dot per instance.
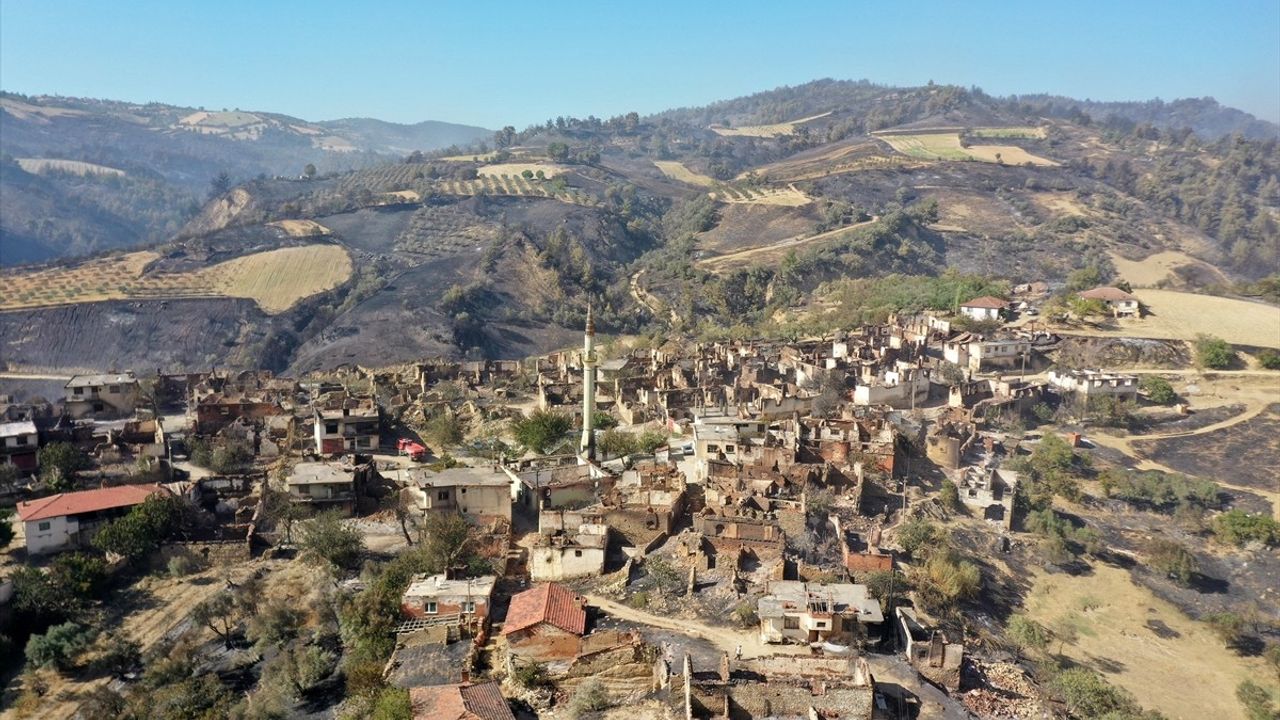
(56, 536)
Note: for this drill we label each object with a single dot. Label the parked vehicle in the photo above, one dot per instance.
(415, 450)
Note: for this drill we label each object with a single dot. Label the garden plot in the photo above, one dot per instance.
(678, 171)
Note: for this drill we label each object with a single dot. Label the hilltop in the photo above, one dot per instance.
(81, 175)
(745, 215)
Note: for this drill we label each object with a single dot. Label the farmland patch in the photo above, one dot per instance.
(946, 146)
(300, 228)
(782, 128)
(76, 167)
(678, 171)
(275, 279)
(1183, 315)
(787, 196)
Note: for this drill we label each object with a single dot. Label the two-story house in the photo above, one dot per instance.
(481, 492)
(795, 611)
(105, 396)
(19, 444)
(442, 600)
(346, 424)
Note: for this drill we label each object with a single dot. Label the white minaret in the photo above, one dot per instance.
(589, 386)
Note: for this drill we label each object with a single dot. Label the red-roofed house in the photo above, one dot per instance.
(1121, 303)
(460, 702)
(984, 308)
(71, 519)
(545, 622)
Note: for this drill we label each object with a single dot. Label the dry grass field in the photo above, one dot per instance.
(38, 165)
(783, 128)
(478, 157)
(275, 279)
(787, 196)
(549, 170)
(1152, 269)
(1183, 316)
(1120, 628)
(300, 228)
(1009, 132)
(677, 171)
(775, 252)
(946, 146)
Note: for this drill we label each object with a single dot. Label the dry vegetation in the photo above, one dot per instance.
(787, 196)
(1153, 269)
(677, 171)
(1119, 630)
(1183, 315)
(946, 146)
(1009, 132)
(300, 228)
(39, 165)
(275, 279)
(513, 185)
(783, 128)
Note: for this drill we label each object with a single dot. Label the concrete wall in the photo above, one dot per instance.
(548, 563)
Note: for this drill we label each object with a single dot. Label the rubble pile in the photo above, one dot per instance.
(1002, 690)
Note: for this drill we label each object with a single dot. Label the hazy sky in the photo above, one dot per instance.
(490, 63)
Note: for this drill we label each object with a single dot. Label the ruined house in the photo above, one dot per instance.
(795, 611)
(928, 650)
(545, 623)
(790, 688)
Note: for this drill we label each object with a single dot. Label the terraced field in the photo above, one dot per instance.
(783, 128)
(516, 186)
(549, 170)
(300, 228)
(1009, 132)
(678, 171)
(788, 196)
(275, 279)
(946, 146)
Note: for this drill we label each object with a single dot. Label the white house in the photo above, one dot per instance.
(69, 520)
(19, 443)
(105, 395)
(812, 612)
(563, 557)
(984, 308)
(1087, 384)
(1121, 303)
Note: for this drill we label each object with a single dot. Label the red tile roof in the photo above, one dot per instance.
(549, 603)
(460, 702)
(85, 501)
(1108, 294)
(986, 301)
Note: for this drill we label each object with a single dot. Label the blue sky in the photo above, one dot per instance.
(493, 63)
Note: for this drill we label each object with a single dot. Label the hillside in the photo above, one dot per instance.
(155, 164)
(736, 215)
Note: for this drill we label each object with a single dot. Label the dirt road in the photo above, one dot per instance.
(726, 639)
(719, 262)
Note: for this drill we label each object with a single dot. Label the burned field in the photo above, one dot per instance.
(1247, 451)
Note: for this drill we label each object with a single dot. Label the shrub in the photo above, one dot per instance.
(1213, 353)
(950, 496)
(59, 646)
(664, 574)
(918, 537)
(1237, 527)
(541, 430)
(120, 656)
(603, 421)
(1269, 359)
(1027, 634)
(1158, 390)
(326, 539)
(945, 580)
(639, 600)
(181, 565)
(745, 615)
(530, 675)
(392, 704)
(1088, 695)
(616, 443)
(1172, 560)
(589, 697)
(1256, 701)
(1229, 626)
(444, 431)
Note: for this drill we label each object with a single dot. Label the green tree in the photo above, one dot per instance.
(541, 430)
(59, 646)
(919, 537)
(1084, 278)
(140, 532)
(326, 539)
(603, 421)
(309, 171)
(946, 580)
(6, 527)
(59, 463)
(1269, 359)
(1213, 353)
(1158, 390)
(1088, 695)
(1172, 560)
(444, 430)
(1027, 634)
(1237, 527)
(392, 704)
(950, 496)
(447, 539)
(616, 443)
